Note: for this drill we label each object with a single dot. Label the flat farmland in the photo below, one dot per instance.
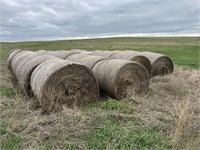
(166, 117)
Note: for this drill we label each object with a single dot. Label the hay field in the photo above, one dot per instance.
(167, 117)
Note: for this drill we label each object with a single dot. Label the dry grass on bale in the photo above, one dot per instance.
(173, 101)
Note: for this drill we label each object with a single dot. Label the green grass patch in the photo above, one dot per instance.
(183, 50)
(3, 127)
(111, 135)
(7, 91)
(123, 106)
(11, 142)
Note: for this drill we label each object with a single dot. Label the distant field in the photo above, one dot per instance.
(183, 50)
(166, 117)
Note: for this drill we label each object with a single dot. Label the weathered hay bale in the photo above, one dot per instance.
(161, 64)
(10, 56)
(126, 55)
(19, 59)
(101, 53)
(60, 54)
(25, 69)
(84, 59)
(132, 56)
(56, 82)
(121, 78)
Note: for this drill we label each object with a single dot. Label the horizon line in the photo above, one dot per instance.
(112, 36)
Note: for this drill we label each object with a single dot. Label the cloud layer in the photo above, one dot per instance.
(42, 20)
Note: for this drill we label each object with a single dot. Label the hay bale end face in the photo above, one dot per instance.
(120, 78)
(161, 64)
(56, 82)
(19, 60)
(10, 56)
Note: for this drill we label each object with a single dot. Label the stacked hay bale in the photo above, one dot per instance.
(73, 77)
(132, 56)
(53, 81)
(118, 78)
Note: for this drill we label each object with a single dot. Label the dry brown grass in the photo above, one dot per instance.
(173, 101)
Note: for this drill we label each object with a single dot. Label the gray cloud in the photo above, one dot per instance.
(44, 19)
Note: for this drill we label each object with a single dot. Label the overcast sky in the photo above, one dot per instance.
(59, 19)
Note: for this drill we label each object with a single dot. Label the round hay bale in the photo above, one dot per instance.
(56, 82)
(86, 60)
(132, 56)
(121, 78)
(10, 56)
(101, 53)
(19, 59)
(60, 54)
(161, 64)
(25, 70)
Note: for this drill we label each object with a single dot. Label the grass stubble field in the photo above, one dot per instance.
(166, 117)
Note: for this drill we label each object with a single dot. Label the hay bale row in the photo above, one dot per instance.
(125, 56)
(53, 81)
(74, 80)
(118, 78)
(155, 63)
